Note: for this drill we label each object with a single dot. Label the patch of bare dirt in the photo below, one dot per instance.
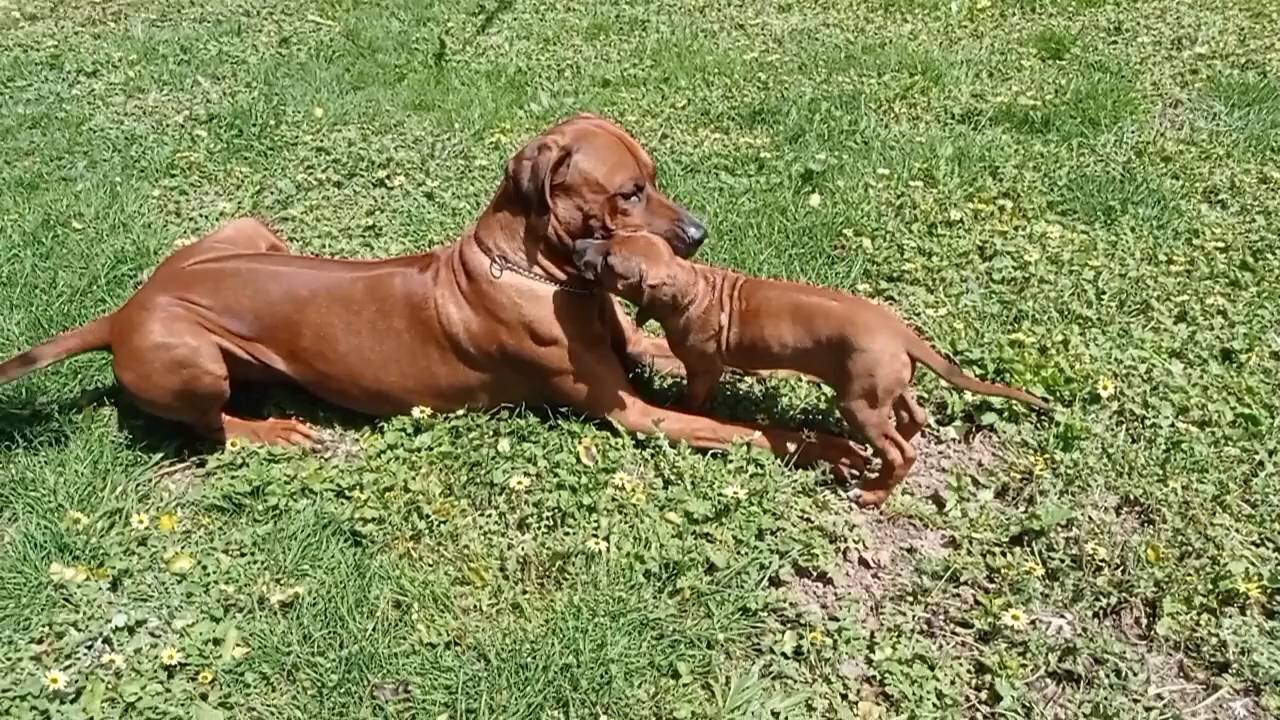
(338, 445)
(1172, 115)
(940, 456)
(895, 543)
(1193, 694)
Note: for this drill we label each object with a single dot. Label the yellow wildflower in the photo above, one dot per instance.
(168, 522)
(139, 521)
(180, 563)
(61, 573)
(76, 519)
(233, 444)
(170, 657)
(112, 661)
(588, 453)
(1039, 465)
(1106, 387)
(623, 482)
(1154, 553)
(519, 483)
(205, 677)
(56, 681)
(734, 491)
(1252, 589)
(1015, 619)
(597, 545)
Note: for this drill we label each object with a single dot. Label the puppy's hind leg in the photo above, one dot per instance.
(896, 454)
(870, 400)
(911, 418)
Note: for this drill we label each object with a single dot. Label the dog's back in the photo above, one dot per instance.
(784, 325)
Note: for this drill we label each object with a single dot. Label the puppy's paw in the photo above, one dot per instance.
(871, 498)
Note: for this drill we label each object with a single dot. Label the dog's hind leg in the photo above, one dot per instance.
(242, 235)
(173, 368)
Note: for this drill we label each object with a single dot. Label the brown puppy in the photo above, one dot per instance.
(497, 317)
(716, 318)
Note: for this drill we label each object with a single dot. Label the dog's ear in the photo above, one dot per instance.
(534, 170)
(589, 256)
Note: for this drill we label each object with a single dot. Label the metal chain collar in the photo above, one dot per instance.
(499, 265)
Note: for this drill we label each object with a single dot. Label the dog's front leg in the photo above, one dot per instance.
(602, 390)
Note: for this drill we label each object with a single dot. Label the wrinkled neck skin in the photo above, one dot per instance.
(534, 242)
(693, 307)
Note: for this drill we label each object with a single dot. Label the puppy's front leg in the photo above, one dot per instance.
(703, 376)
(634, 346)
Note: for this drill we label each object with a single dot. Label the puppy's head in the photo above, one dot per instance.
(593, 180)
(640, 267)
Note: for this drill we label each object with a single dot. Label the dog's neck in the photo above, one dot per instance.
(506, 231)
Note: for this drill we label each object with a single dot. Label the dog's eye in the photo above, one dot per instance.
(633, 194)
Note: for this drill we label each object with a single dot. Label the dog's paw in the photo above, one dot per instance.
(870, 498)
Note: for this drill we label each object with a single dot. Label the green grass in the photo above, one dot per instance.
(1079, 197)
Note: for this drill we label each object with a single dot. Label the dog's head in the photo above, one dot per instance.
(638, 266)
(590, 179)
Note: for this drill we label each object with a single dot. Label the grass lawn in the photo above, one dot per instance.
(1081, 197)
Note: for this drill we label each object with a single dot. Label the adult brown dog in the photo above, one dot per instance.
(497, 317)
(715, 318)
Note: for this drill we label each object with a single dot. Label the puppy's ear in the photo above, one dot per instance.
(590, 256)
(538, 166)
(627, 268)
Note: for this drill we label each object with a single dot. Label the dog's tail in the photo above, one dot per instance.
(94, 336)
(922, 352)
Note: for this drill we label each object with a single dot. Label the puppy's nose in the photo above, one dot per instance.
(695, 231)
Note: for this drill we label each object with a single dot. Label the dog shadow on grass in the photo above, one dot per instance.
(31, 425)
(29, 421)
(177, 442)
(35, 422)
(791, 404)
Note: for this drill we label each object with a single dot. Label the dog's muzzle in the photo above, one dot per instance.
(694, 234)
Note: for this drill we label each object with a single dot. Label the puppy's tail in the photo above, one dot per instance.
(94, 336)
(922, 352)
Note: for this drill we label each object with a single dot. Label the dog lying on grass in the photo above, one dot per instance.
(715, 318)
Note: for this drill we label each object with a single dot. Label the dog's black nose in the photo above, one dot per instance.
(695, 231)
